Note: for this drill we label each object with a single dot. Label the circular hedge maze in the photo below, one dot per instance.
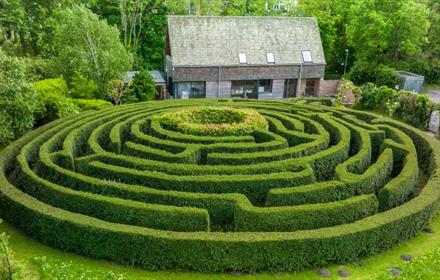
(222, 185)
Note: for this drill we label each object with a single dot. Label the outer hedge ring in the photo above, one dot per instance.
(216, 251)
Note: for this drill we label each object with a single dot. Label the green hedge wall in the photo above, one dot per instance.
(322, 185)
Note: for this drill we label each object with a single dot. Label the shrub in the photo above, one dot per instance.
(367, 72)
(386, 76)
(57, 86)
(82, 87)
(115, 91)
(376, 98)
(90, 104)
(56, 106)
(414, 108)
(142, 88)
(362, 72)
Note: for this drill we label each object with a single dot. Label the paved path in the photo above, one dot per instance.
(435, 96)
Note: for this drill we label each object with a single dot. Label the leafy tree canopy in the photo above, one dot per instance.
(87, 45)
(18, 101)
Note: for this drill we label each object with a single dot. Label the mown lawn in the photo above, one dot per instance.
(424, 248)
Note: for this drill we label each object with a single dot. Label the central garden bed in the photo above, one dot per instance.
(214, 121)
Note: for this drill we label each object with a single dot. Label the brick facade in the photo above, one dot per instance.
(278, 75)
(184, 74)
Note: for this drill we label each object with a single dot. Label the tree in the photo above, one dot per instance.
(142, 88)
(115, 91)
(11, 24)
(87, 45)
(332, 16)
(142, 24)
(428, 62)
(387, 31)
(28, 26)
(18, 103)
(149, 51)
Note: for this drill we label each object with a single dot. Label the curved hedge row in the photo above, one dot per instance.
(318, 185)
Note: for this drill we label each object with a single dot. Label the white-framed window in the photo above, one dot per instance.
(307, 57)
(270, 58)
(242, 57)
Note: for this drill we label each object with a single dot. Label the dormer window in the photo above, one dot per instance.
(270, 58)
(307, 57)
(242, 58)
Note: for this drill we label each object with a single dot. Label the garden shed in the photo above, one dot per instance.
(410, 81)
(248, 57)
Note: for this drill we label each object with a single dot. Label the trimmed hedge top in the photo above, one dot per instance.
(221, 185)
(214, 121)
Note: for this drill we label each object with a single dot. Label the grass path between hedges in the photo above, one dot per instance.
(25, 249)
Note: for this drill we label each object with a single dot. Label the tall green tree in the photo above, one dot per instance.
(142, 24)
(387, 31)
(18, 102)
(87, 45)
(151, 38)
(332, 16)
(12, 24)
(428, 62)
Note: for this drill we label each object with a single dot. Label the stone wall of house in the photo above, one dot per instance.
(329, 87)
(301, 91)
(212, 89)
(278, 89)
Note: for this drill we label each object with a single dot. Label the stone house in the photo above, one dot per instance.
(247, 57)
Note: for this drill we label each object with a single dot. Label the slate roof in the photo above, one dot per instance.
(157, 76)
(217, 41)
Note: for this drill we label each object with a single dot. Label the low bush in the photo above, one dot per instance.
(56, 106)
(411, 108)
(414, 109)
(56, 86)
(142, 88)
(90, 104)
(82, 87)
(366, 72)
